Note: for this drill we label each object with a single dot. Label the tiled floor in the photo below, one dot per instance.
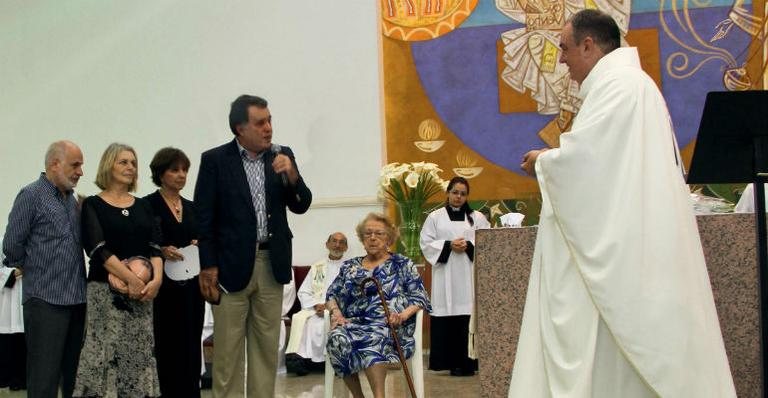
(436, 384)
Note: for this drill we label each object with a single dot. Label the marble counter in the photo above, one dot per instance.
(502, 264)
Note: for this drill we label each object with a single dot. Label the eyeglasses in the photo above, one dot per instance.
(378, 234)
(459, 193)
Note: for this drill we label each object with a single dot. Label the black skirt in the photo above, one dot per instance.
(449, 336)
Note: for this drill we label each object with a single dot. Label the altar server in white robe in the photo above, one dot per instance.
(307, 339)
(619, 302)
(448, 243)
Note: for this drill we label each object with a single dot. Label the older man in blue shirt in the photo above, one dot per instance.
(42, 238)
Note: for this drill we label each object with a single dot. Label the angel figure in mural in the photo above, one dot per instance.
(531, 53)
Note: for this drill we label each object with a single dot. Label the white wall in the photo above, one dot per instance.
(163, 72)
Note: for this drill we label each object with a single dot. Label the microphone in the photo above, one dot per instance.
(276, 149)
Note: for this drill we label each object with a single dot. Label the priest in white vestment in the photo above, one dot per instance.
(619, 302)
(307, 340)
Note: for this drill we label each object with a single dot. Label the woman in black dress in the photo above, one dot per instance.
(117, 359)
(179, 307)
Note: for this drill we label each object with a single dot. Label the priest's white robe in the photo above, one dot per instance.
(307, 333)
(452, 282)
(619, 302)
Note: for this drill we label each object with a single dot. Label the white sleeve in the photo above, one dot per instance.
(431, 246)
(480, 221)
(289, 296)
(306, 298)
(5, 273)
(746, 203)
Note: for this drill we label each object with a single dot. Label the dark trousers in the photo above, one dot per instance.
(13, 361)
(449, 336)
(178, 324)
(54, 335)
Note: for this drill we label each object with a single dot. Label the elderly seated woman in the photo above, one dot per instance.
(359, 338)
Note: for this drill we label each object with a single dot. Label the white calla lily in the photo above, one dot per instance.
(412, 180)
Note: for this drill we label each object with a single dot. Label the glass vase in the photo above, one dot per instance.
(411, 218)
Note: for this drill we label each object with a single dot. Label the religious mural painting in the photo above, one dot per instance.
(472, 85)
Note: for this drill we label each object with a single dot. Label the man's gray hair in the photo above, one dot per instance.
(56, 151)
(331, 237)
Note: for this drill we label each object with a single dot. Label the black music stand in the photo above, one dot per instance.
(732, 147)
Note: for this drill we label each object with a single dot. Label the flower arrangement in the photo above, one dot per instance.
(409, 186)
(411, 181)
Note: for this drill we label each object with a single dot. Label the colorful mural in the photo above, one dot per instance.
(474, 84)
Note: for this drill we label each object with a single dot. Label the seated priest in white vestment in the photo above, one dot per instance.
(619, 302)
(306, 345)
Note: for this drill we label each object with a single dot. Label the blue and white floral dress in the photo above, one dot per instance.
(366, 340)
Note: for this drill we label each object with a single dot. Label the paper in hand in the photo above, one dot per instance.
(188, 268)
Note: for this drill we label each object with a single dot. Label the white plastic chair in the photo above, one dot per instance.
(415, 363)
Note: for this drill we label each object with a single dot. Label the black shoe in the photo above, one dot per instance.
(462, 372)
(206, 380)
(318, 367)
(296, 364)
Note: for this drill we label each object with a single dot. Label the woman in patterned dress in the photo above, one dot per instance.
(117, 359)
(359, 339)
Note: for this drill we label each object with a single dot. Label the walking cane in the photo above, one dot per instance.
(391, 330)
